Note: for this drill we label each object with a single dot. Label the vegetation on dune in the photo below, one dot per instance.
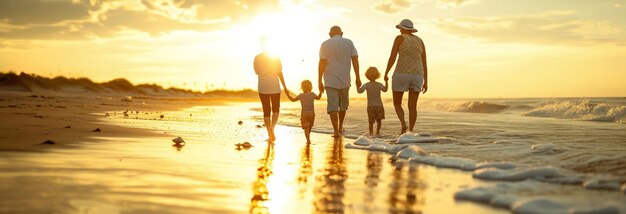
(11, 81)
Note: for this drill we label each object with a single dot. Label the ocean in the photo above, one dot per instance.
(554, 141)
(588, 135)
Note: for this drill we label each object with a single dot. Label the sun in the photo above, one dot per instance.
(284, 30)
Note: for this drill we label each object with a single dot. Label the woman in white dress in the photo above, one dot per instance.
(269, 70)
(411, 73)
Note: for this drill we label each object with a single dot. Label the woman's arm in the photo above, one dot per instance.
(425, 87)
(256, 66)
(290, 97)
(394, 53)
(279, 66)
(282, 80)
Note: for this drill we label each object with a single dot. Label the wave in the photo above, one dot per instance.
(580, 110)
(471, 107)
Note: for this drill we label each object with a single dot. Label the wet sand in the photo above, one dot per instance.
(132, 166)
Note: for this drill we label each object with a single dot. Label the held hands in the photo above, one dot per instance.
(386, 78)
(358, 82)
(321, 87)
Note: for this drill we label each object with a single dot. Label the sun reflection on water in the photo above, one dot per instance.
(406, 193)
(330, 187)
(259, 187)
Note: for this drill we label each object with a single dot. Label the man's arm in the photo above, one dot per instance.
(361, 89)
(321, 69)
(386, 87)
(355, 65)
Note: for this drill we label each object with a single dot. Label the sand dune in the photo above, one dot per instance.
(24, 82)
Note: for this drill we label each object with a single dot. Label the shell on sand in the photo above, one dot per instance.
(178, 140)
(245, 145)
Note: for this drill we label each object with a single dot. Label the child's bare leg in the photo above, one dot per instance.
(378, 125)
(371, 128)
(307, 134)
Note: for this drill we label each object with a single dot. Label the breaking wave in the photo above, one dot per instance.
(580, 110)
(471, 107)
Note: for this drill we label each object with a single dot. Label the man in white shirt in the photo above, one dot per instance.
(336, 55)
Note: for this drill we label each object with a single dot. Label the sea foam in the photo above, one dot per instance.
(423, 137)
(404, 149)
(500, 196)
(516, 174)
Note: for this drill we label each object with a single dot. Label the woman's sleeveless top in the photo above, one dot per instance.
(410, 55)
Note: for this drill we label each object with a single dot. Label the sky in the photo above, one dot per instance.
(475, 48)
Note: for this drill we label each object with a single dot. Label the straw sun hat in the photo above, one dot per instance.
(406, 25)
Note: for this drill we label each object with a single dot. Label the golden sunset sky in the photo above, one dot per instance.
(476, 48)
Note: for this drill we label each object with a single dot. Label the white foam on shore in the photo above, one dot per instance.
(542, 205)
(602, 184)
(516, 174)
(413, 153)
(417, 138)
(497, 165)
(500, 196)
(543, 148)
(446, 162)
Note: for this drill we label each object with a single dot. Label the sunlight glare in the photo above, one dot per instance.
(284, 30)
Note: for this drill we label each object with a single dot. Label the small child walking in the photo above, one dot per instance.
(307, 115)
(375, 110)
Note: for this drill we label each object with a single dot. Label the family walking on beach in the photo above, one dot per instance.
(337, 55)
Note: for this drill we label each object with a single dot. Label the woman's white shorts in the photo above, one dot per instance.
(404, 82)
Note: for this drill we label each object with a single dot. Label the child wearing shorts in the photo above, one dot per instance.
(307, 115)
(375, 110)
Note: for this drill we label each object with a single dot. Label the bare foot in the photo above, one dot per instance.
(404, 130)
(336, 135)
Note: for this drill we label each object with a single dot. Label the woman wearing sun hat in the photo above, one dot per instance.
(411, 73)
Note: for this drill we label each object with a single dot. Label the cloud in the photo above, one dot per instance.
(546, 28)
(19, 12)
(392, 6)
(454, 3)
(82, 19)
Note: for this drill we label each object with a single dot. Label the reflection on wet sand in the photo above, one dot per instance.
(374, 167)
(305, 170)
(330, 189)
(259, 187)
(406, 193)
(178, 147)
